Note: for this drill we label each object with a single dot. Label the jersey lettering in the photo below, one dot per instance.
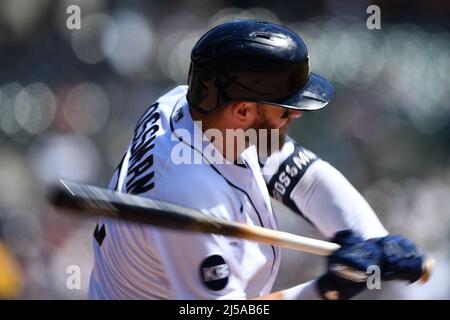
(289, 174)
(141, 160)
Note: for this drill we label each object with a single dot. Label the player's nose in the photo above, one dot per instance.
(294, 114)
(291, 114)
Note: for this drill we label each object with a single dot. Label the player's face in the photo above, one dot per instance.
(274, 118)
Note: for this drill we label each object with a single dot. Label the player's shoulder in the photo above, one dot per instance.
(153, 127)
(173, 94)
(150, 145)
(161, 109)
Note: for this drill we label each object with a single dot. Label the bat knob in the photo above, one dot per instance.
(427, 269)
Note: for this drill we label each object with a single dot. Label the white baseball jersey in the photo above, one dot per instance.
(135, 261)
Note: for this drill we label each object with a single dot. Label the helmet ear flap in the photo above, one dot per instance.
(198, 89)
(205, 97)
(222, 83)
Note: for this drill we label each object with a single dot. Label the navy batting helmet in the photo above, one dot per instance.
(249, 60)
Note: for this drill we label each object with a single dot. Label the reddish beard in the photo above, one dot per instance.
(272, 146)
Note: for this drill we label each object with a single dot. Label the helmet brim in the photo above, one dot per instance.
(315, 95)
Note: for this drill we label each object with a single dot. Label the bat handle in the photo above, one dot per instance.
(427, 269)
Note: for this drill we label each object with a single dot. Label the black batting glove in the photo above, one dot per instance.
(402, 259)
(347, 266)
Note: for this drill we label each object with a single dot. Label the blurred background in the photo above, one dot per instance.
(69, 100)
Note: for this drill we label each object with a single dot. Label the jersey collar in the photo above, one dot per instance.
(185, 130)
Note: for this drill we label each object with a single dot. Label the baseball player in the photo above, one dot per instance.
(244, 75)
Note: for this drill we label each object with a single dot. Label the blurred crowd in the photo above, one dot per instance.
(69, 100)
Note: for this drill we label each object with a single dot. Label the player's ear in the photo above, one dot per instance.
(243, 113)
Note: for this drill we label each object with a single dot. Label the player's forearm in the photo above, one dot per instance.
(304, 291)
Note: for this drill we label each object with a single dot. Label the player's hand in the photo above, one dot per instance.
(347, 267)
(402, 259)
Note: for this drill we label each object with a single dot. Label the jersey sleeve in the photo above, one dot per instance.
(199, 265)
(316, 190)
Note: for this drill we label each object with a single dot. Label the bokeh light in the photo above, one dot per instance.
(21, 16)
(86, 108)
(132, 39)
(8, 122)
(172, 57)
(233, 13)
(70, 156)
(34, 108)
(88, 44)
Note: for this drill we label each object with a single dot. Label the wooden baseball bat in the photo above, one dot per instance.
(97, 202)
